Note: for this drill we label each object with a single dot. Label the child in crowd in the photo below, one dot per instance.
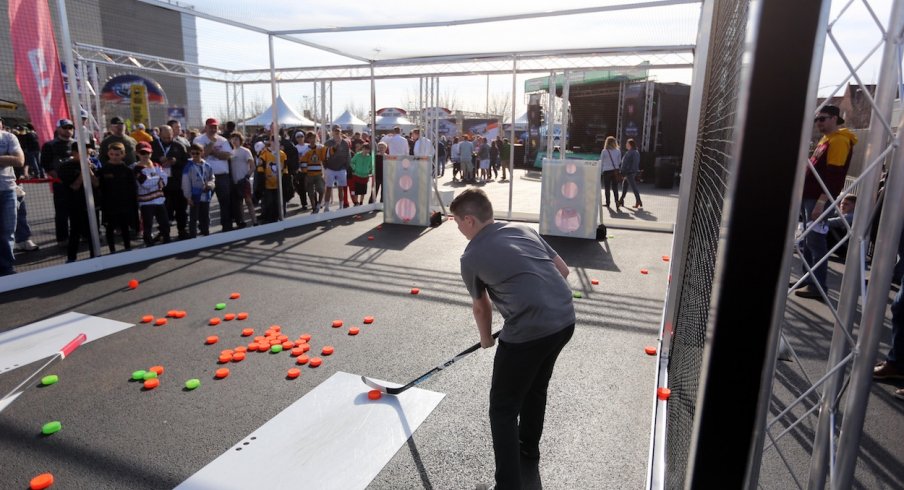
(361, 170)
(119, 200)
(312, 165)
(70, 173)
(197, 184)
(267, 184)
(151, 202)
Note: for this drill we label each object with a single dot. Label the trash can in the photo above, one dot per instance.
(665, 168)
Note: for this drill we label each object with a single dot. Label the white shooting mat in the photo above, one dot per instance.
(333, 437)
(36, 341)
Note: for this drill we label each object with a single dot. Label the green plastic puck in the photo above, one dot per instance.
(138, 375)
(220, 306)
(577, 294)
(51, 427)
(49, 379)
(276, 348)
(193, 383)
(149, 375)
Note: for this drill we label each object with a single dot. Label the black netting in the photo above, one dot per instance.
(712, 165)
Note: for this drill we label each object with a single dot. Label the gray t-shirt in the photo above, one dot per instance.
(514, 265)
(9, 145)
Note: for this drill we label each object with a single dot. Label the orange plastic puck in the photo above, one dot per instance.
(306, 337)
(224, 358)
(235, 296)
(263, 346)
(275, 342)
(368, 320)
(157, 369)
(227, 352)
(288, 345)
(181, 314)
(213, 339)
(594, 281)
(147, 318)
(252, 347)
(282, 338)
(229, 317)
(354, 331)
(160, 322)
(221, 373)
(133, 284)
(337, 323)
(650, 350)
(327, 350)
(40, 482)
(240, 348)
(171, 313)
(296, 351)
(302, 359)
(305, 347)
(258, 338)
(374, 394)
(316, 362)
(293, 373)
(275, 328)
(151, 383)
(238, 357)
(665, 258)
(214, 321)
(242, 316)
(248, 332)
(415, 290)
(663, 393)
(644, 271)
(370, 237)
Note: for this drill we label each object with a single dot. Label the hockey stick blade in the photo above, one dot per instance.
(397, 390)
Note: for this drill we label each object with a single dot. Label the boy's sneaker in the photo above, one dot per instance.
(28, 246)
(887, 370)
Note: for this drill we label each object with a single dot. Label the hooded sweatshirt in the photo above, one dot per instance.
(831, 160)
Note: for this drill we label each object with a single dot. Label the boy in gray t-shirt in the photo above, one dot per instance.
(512, 266)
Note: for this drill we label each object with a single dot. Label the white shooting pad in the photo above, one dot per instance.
(36, 341)
(333, 437)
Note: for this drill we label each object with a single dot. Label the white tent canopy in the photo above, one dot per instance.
(286, 116)
(349, 122)
(386, 123)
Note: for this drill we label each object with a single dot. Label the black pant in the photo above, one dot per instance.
(270, 203)
(299, 184)
(122, 222)
(149, 212)
(521, 375)
(223, 190)
(610, 185)
(175, 209)
(199, 216)
(61, 211)
(237, 200)
(80, 229)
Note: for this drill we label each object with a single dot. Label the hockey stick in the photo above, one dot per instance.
(425, 376)
(62, 353)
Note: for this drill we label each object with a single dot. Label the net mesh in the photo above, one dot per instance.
(712, 165)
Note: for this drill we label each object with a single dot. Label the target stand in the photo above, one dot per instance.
(407, 189)
(570, 198)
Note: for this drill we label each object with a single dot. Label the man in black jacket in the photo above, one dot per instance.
(53, 154)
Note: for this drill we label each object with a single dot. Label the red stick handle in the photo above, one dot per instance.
(71, 346)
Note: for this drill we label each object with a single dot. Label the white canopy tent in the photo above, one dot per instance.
(349, 122)
(286, 116)
(386, 123)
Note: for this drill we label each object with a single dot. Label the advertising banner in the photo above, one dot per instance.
(406, 190)
(138, 102)
(570, 198)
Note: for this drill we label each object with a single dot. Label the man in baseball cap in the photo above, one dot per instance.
(118, 135)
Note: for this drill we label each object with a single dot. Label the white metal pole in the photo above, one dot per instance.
(244, 127)
(79, 137)
(274, 131)
(330, 120)
(99, 115)
(512, 137)
(323, 129)
(563, 134)
(227, 97)
(420, 102)
(550, 113)
(373, 131)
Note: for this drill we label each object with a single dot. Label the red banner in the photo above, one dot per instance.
(37, 65)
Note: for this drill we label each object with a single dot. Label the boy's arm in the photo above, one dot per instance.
(483, 315)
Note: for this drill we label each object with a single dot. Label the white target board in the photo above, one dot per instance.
(570, 198)
(406, 190)
(334, 437)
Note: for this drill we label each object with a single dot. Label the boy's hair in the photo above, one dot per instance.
(238, 135)
(850, 198)
(472, 202)
(117, 146)
(196, 147)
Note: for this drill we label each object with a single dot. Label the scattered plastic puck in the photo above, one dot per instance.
(171, 314)
(293, 373)
(181, 314)
(368, 319)
(224, 358)
(227, 352)
(594, 281)
(379, 227)
(305, 347)
(370, 237)
(276, 348)
(354, 331)
(415, 290)
(160, 322)
(302, 359)
(49, 379)
(663, 393)
(51, 427)
(248, 332)
(138, 375)
(150, 384)
(644, 271)
(650, 350)
(238, 357)
(296, 351)
(147, 318)
(665, 258)
(192, 383)
(240, 348)
(282, 338)
(235, 296)
(337, 323)
(315, 362)
(306, 337)
(221, 373)
(327, 350)
(288, 344)
(40, 482)
(242, 316)
(275, 328)
(229, 317)
(252, 347)
(374, 394)
(149, 375)
(214, 321)
(577, 294)
(157, 369)
(213, 339)
(133, 284)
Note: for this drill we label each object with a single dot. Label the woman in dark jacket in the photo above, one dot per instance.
(630, 167)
